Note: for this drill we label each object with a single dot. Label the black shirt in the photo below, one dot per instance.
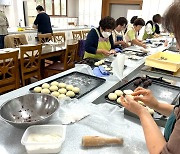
(43, 22)
(157, 29)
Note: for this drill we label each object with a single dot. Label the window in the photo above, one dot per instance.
(54, 7)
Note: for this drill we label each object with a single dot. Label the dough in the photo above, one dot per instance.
(128, 92)
(70, 94)
(119, 100)
(45, 85)
(140, 102)
(55, 93)
(54, 83)
(76, 90)
(61, 96)
(112, 96)
(107, 68)
(132, 97)
(45, 91)
(118, 92)
(102, 61)
(97, 64)
(69, 87)
(62, 85)
(37, 89)
(151, 111)
(53, 88)
(62, 90)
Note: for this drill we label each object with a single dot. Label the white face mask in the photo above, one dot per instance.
(106, 34)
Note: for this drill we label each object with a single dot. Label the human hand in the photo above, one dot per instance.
(106, 52)
(144, 46)
(112, 51)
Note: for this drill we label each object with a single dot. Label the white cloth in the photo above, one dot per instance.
(149, 29)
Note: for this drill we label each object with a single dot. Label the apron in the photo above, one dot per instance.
(145, 36)
(103, 43)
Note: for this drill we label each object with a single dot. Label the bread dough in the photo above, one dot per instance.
(45, 91)
(62, 90)
(61, 96)
(97, 64)
(45, 85)
(54, 83)
(53, 88)
(140, 102)
(118, 92)
(37, 89)
(76, 89)
(107, 68)
(69, 87)
(128, 92)
(151, 111)
(119, 100)
(70, 94)
(62, 85)
(112, 96)
(55, 93)
(102, 61)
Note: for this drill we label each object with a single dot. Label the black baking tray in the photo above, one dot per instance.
(85, 82)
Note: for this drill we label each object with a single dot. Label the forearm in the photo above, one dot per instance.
(137, 42)
(101, 51)
(164, 109)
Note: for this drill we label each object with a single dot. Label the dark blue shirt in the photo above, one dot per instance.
(43, 22)
(92, 41)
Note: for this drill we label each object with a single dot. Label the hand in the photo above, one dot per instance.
(122, 43)
(112, 52)
(106, 52)
(146, 96)
(132, 105)
(144, 46)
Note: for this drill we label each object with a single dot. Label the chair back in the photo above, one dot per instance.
(77, 35)
(59, 37)
(85, 33)
(71, 23)
(43, 38)
(9, 71)
(30, 59)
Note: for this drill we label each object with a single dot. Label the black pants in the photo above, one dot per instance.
(2, 41)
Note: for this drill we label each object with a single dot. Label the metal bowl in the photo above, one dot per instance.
(30, 109)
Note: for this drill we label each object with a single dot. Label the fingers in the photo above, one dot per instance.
(138, 88)
(123, 102)
(138, 98)
(140, 92)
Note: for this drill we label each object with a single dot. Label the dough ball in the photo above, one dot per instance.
(112, 96)
(128, 92)
(151, 111)
(53, 88)
(107, 68)
(61, 96)
(119, 100)
(70, 94)
(97, 64)
(140, 102)
(132, 97)
(54, 83)
(102, 61)
(45, 85)
(45, 91)
(76, 89)
(62, 85)
(55, 93)
(137, 82)
(37, 89)
(69, 87)
(62, 90)
(118, 92)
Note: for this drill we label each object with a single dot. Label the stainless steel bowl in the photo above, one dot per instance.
(30, 109)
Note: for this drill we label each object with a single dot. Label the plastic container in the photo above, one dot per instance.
(44, 138)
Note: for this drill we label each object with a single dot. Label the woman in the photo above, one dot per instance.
(132, 34)
(156, 142)
(99, 41)
(118, 33)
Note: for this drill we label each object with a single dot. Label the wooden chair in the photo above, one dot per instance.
(9, 71)
(68, 63)
(77, 35)
(43, 38)
(30, 62)
(85, 33)
(59, 37)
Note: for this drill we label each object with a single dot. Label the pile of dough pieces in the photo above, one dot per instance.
(59, 90)
(101, 62)
(116, 96)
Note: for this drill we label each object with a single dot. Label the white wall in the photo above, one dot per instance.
(73, 7)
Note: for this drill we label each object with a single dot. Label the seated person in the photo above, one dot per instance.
(132, 34)
(130, 25)
(99, 41)
(118, 33)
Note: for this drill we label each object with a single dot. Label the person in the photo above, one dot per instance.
(118, 33)
(3, 28)
(130, 25)
(156, 142)
(132, 34)
(42, 21)
(99, 41)
(152, 28)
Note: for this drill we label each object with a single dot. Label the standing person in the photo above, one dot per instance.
(99, 41)
(118, 33)
(42, 21)
(3, 28)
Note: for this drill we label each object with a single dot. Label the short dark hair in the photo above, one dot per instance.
(139, 21)
(121, 21)
(157, 18)
(40, 8)
(107, 23)
(133, 19)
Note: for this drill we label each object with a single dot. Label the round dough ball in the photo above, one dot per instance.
(131, 96)
(53, 88)
(61, 96)
(37, 89)
(151, 111)
(54, 83)
(76, 89)
(119, 100)
(45, 91)
(69, 87)
(62, 85)
(140, 102)
(112, 96)
(62, 90)
(128, 92)
(118, 92)
(102, 61)
(55, 93)
(107, 69)
(70, 94)
(97, 64)
(45, 85)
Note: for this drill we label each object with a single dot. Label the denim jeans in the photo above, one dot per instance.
(2, 41)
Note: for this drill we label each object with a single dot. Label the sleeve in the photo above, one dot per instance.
(111, 41)
(131, 35)
(36, 20)
(157, 30)
(91, 42)
(149, 29)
